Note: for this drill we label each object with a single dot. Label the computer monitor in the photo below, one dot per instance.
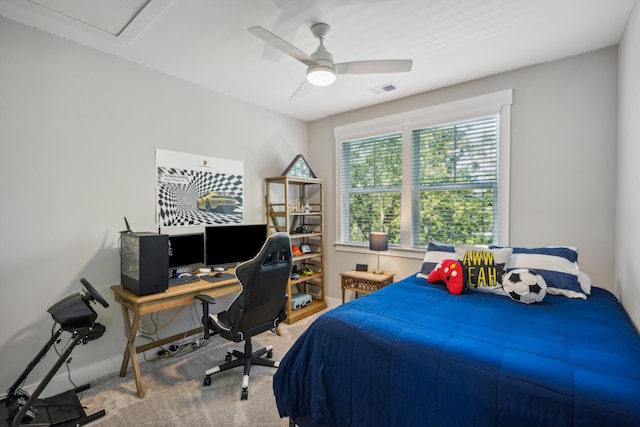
(186, 250)
(229, 245)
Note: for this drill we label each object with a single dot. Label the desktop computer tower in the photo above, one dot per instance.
(144, 262)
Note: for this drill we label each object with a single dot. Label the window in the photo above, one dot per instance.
(371, 184)
(440, 173)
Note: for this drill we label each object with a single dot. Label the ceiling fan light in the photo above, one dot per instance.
(321, 75)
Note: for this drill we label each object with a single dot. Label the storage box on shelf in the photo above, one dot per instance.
(295, 205)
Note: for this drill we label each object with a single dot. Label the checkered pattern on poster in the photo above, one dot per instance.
(198, 190)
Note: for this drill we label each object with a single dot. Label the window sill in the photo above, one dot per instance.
(412, 253)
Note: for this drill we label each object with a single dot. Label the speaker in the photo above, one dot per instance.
(361, 267)
(144, 262)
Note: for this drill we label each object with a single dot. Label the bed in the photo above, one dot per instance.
(415, 354)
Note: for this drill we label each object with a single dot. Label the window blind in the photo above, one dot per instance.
(371, 182)
(455, 181)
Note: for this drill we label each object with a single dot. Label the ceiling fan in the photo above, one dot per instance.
(321, 70)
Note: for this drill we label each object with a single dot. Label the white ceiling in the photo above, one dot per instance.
(206, 42)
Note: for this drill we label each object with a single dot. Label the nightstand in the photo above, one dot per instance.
(364, 282)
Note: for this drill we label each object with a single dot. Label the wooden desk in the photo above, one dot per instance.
(175, 296)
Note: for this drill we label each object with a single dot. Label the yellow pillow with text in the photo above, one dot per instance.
(483, 267)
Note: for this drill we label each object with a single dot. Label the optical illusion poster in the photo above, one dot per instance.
(198, 190)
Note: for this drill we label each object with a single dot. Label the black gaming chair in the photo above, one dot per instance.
(260, 306)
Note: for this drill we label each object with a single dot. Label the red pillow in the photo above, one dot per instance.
(450, 272)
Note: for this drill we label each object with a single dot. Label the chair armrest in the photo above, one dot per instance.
(206, 298)
(206, 301)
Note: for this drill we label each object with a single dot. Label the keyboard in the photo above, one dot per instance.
(182, 280)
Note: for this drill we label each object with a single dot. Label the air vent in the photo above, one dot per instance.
(384, 88)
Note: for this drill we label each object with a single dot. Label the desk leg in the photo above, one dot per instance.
(130, 353)
(127, 328)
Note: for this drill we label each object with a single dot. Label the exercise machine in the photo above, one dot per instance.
(74, 315)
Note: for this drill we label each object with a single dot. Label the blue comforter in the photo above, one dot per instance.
(413, 354)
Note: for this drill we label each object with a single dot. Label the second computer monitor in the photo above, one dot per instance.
(229, 245)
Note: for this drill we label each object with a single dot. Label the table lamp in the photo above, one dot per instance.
(378, 241)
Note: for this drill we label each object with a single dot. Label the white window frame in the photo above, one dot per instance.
(498, 103)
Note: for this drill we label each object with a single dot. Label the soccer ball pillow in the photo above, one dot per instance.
(524, 285)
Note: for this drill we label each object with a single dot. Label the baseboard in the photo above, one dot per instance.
(333, 302)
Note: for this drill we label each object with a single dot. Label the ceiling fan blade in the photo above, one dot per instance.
(302, 90)
(282, 45)
(375, 67)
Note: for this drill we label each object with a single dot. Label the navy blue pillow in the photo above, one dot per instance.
(436, 252)
(558, 265)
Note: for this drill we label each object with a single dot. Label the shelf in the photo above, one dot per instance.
(278, 214)
(303, 235)
(304, 279)
(294, 180)
(315, 307)
(283, 194)
(306, 256)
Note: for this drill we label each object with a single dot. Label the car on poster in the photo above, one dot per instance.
(217, 201)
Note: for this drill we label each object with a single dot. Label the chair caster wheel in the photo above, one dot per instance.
(244, 395)
(270, 354)
(228, 357)
(207, 381)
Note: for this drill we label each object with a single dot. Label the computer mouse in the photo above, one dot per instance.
(219, 274)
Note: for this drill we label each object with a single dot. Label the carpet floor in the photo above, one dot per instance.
(176, 396)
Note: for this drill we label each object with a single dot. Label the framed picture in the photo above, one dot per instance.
(197, 190)
(299, 168)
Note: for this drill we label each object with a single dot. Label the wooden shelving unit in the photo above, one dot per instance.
(286, 199)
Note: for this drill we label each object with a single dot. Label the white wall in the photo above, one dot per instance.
(78, 133)
(628, 203)
(563, 160)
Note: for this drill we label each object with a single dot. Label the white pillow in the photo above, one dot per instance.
(585, 282)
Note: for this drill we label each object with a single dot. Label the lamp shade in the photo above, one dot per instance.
(378, 241)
